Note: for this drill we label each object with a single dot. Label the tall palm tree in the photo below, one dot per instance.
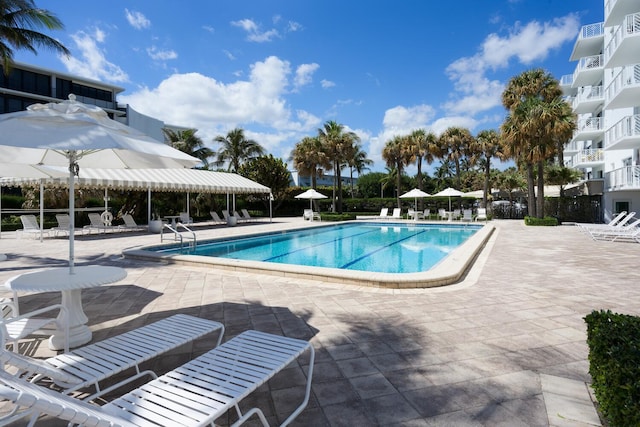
(488, 147)
(236, 149)
(188, 142)
(336, 142)
(309, 158)
(397, 156)
(455, 143)
(539, 121)
(19, 20)
(424, 146)
(357, 160)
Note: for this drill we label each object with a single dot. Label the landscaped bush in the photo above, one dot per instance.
(546, 221)
(614, 365)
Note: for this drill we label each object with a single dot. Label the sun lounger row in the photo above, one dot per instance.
(620, 228)
(244, 217)
(196, 393)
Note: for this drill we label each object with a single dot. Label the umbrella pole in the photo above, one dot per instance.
(72, 208)
(41, 210)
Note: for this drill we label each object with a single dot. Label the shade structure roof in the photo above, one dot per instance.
(177, 180)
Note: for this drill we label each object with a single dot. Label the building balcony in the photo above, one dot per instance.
(625, 178)
(589, 128)
(615, 10)
(588, 158)
(624, 90)
(589, 71)
(623, 135)
(572, 148)
(566, 84)
(625, 43)
(589, 42)
(587, 99)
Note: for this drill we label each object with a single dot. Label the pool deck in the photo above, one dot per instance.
(505, 346)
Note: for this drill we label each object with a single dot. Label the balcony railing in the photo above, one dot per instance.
(628, 76)
(589, 63)
(625, 178)
(592, 30)
(630, 27)
(589, 124)
(566, 80)
(588, 93)
(627, 127)
(592, 155)
(608, 7)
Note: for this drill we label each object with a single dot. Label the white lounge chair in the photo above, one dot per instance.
(246, 216)
(195, 394)
(89, 365)
(620, 220)
(396, 214)
(467, 215)
(99, 222)
(64, 224)
(216, 218)
(15, 327)
(442, 214)
(30, 226)
(616, 232)
(481, 215)
(130, 224)
(185, 218)
(309, 214)
(239, 217)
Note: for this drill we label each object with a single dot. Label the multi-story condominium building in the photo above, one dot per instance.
(604, 91)
(26, 84)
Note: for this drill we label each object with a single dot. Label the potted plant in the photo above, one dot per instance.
(156, 224)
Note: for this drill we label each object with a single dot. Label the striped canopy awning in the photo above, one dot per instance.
(178, 180)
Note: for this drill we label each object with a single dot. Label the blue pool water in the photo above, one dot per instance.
(375, 247)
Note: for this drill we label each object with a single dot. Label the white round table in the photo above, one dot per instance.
(70, 285)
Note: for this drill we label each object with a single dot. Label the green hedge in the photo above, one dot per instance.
(614, 365)
(546, 221)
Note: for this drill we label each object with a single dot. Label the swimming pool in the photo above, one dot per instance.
(414, 244)
(401, 248)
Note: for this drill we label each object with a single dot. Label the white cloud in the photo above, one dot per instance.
(161, 55)
(326, 84)
(474, 92)
(304, 73)
(137, 20)
(209, 29)
(293, 26)
(229, 54)
(92, 62)
(214, 107)
(254, 33)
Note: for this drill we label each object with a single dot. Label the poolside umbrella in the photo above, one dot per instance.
(74, 135)
(312, 195)
(449, 192)
(415, 194)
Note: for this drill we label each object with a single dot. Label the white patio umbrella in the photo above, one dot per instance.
(312, 195)
(415, 194)
(76, 135)
(449, 192)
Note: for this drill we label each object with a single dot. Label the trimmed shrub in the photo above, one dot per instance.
(546, 221)
(614, 365)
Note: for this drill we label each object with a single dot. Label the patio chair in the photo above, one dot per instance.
(396, 214)
(30, 226)
(413, 214)
(15, 327)
(185, 218)
(130, 223)
(467, 215)
(309, 214)
(64, 224)
(246, 216)
(620, 220)
(426, 214)
(195, 394)
(216, 218)
(87, 366)
(442, 214)
(615, 232)
(239, 217)
(99, 222)
(481, 215)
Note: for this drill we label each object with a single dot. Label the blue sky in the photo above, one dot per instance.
(281, 68)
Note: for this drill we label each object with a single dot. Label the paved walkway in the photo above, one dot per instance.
(504, 347)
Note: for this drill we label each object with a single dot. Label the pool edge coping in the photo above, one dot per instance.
(451, 270)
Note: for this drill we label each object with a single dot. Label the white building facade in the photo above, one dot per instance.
(604, 91)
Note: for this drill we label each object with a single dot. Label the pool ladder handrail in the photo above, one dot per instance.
(178, 235)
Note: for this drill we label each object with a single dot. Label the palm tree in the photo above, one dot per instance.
(336, 142)
(488, 146)
(455, 143)
(309, 158)
(188, 142)
(538, 122)
(236, 149)
(18, 21)
(397, 156)
(424, 146)
(357, 160)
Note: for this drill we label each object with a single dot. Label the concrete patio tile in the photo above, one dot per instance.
(336, 391)
(374, 385)
(357, 367)
(389, 409)
(347, 414)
